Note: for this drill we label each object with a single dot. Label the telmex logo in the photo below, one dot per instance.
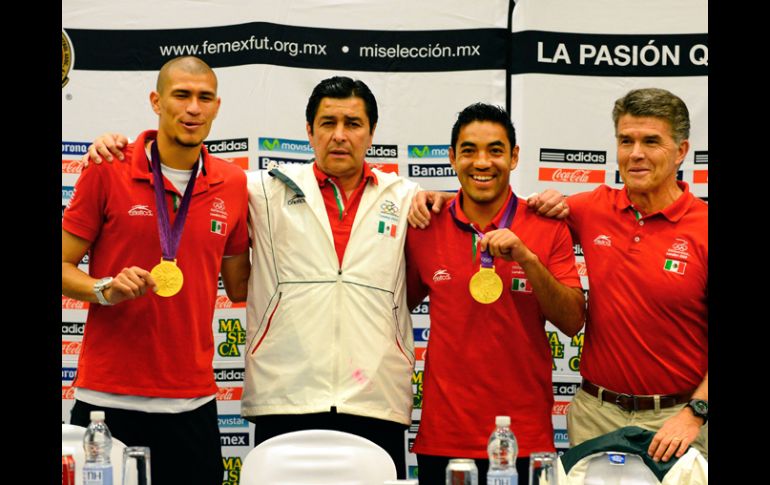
(223, 146)
(571, 175)
(228, 375)
(560, 408)
(229, 393)
(72, 328)
(70, 304)
(232, 421)
(70, 347)
(74, 148)
(572, 156)
(619, 180)
(382, 151)
(702, 157)
(265, 161)
(421, 334)
(71, 166)
(67, 373)
(431, 170)
(700, 176)
(428, 151)
(234, 439)
(581, 268)
(284, 145)
(223, 302)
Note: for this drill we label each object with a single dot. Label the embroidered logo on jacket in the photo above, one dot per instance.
(678, 249)
(602, 240)
(297, 199)
(388, 223)
(218, 208)
(218, 227)
(441, 275)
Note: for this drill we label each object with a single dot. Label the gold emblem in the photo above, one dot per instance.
(486, 286)
(66, 59)
(168, 277)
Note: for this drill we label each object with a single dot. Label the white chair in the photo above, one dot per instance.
(72, 442)
(317, 456)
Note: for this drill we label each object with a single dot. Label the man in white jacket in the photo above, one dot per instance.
(329, 334)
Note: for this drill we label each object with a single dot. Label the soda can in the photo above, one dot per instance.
(462, 471)
(67, 469)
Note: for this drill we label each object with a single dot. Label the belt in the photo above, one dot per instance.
(630, 402)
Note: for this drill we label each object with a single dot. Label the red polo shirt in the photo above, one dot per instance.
(647, 328)
(485, 360)
(155, 346)
(341, 209)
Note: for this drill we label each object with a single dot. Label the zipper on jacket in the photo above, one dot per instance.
(269, 321)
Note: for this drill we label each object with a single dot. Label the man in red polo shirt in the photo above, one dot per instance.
(645, 357)
(488, 353)
(157, 229)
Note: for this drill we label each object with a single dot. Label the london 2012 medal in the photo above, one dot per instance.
(168, 277)
(486, 286)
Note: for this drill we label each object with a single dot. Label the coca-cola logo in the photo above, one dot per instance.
(560, 408)
(581, 268)
(69, 347)
(68, 393)
(229, 393)
(571, 175)
(223, 302)
(71, 166)
(70, 304)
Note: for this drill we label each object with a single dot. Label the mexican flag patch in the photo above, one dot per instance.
(675, 266)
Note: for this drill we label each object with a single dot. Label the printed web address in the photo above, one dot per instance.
(251, 44)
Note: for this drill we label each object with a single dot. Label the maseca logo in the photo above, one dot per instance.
(235, 335)
(233, 466)
(417, 389)
(573, 156)
(571, 175)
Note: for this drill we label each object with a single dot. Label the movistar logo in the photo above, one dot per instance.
(285, 145)
(270, 145)
(428, 151)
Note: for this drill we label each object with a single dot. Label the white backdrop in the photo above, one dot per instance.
(559, 63)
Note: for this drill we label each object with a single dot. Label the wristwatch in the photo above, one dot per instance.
(99, 287)
(700, 408)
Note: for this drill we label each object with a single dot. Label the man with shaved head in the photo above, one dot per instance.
(158, 230)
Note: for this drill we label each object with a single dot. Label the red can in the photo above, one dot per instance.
(67, 470)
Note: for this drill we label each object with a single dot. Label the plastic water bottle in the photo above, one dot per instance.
(97, 444)
(502, 450)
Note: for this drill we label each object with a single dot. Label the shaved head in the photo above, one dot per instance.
(188, 64)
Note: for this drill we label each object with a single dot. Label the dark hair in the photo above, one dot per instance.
(657, 103)
(341, 87)
(483, 112)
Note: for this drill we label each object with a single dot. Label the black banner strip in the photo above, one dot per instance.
(283, 45)
(609, 55)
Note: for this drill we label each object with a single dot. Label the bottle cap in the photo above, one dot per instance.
(97, 415)
(502, 420)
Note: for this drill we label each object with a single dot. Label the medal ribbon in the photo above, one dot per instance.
(170, 237)
(510, 210)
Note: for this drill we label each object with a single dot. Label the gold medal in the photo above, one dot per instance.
(486, 286)
(168, 277)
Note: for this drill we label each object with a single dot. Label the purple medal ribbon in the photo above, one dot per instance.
(169, 237)
(510, 210)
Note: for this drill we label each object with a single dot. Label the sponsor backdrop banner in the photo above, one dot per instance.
(558, 70)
